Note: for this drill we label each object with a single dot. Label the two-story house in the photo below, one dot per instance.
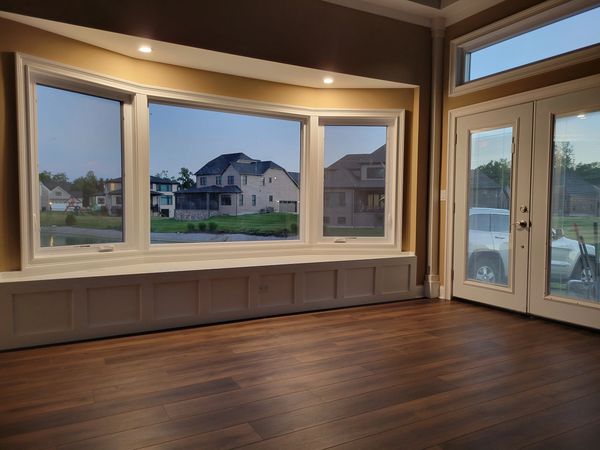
(235, 184)
(354, 190)
(59, 197)
(162, 198)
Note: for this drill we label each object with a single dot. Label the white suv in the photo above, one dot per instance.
(489, 243)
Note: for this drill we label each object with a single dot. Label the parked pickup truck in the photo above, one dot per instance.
(489, 243)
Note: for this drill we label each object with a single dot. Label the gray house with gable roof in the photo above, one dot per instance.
(235, 184)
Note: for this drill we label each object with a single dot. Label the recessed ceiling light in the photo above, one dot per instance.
(145, 49)
(581, 116)
(328, 80)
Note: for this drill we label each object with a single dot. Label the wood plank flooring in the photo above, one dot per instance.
(417, 374)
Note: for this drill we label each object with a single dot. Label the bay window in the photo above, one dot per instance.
(110, 169)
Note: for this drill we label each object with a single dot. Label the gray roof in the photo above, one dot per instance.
(295, 176)
(218, 165)
(243, 164)
(229, 189)
(345, 173)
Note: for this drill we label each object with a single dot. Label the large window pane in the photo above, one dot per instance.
(354, 181)
(575, 204)
(80, 171)
(232, 177)
(489, 196)
(560, 37)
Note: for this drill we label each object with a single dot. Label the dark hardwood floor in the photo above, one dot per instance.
(418, 374)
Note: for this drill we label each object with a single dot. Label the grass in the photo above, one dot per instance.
(353, 231)
(258, 224)
(98, 222)
(585, 224)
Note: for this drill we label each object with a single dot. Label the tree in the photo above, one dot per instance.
(164, 174)
(185, 178)
(88, 186)
(497, 170)
(563, 156)
(589, 172)
(47, 176)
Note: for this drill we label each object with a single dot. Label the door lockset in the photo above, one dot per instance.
(523, 208)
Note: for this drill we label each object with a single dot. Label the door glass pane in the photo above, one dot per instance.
(574, 240)
(489, 198)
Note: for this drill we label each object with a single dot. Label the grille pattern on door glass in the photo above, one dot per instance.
(574, 239)
(489, 199)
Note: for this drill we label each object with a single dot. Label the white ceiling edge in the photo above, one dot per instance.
(208, 60)
(411, 12)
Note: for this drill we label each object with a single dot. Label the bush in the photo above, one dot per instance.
(202, 226)
(294, 228)
(70, 220)
(190, 227)
(212, 226)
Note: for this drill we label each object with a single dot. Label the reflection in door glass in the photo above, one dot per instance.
(489, 194)
(574, 243)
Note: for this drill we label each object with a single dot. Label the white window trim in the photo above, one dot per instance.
(526, 20)
(393, 175)
(136, 169)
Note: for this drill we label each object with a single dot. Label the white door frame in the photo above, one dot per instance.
(453, 115)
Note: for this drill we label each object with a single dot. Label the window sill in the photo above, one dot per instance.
(150, 267)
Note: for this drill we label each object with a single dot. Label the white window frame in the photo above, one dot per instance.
(136, 248)
(30, 72)
(393, 176)
(530, 19)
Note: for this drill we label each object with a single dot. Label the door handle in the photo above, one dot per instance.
(523, 224)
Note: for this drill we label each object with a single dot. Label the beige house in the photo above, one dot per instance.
(59, 197)
(235, 184)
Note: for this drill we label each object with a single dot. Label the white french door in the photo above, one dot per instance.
(491, 222)
(527, 208)
(565, 276)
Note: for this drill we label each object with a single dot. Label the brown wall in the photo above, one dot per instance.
(482, 19)
(15, 37)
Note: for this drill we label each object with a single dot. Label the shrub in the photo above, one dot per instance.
(294, 228)
(284, 232)
(70, 220)
(212, 226)
(202, 226)
(190, 227)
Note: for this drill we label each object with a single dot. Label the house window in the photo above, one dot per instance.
(375, 202)
(534, 41)
(263, 181)
(205, 140)
(270, 199)
(118, 200)
(164, 188)
(101, 201)
(166, 200)
(355, 159)
(375, 173)
(76, 151)
(270, 179)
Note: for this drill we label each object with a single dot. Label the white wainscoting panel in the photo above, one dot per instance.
(45, 312)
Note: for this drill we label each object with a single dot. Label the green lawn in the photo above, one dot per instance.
(259, 224)
(352, 231)
(585, 226)
(98, 222)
